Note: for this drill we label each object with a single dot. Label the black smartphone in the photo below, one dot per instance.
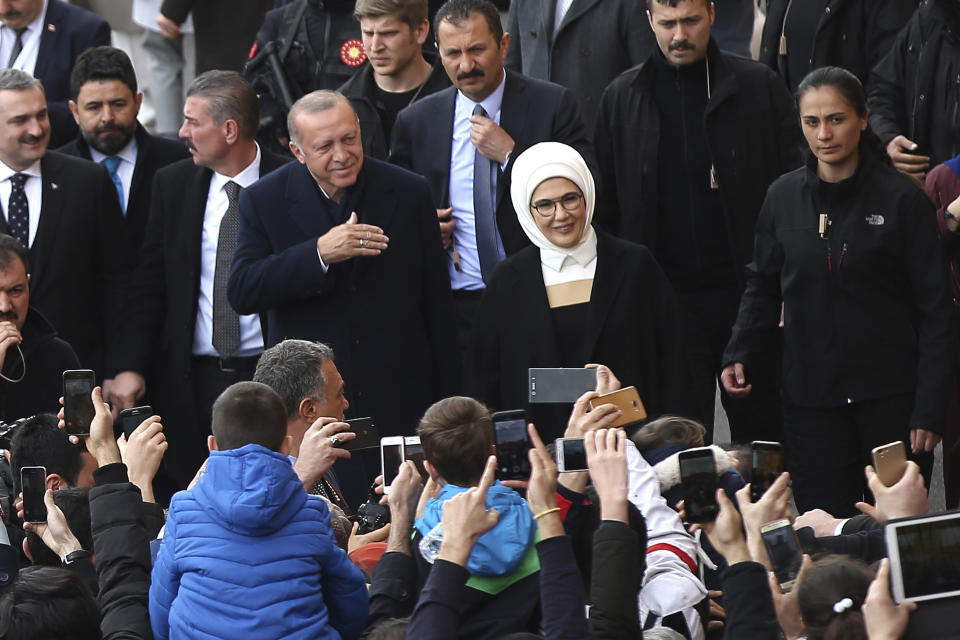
(784, 551)
(698, 472)
(78, 408)
(130, 419)
(766, 468)
(414, 452)
(33, 483)
(510, 435)
(560, 385)
(367, 435)
(571, 455)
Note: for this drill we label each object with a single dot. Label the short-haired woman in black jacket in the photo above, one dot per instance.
(851, 249)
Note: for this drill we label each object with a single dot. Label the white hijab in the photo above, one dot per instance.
(555, 160)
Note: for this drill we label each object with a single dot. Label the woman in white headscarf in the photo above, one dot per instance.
(576, 296)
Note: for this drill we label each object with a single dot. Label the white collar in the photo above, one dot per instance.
(6, 172)
(249, 175)
(580, 255)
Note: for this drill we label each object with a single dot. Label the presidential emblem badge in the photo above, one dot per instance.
(352, 53)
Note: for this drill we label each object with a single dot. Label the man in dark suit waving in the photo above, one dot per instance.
(462, 140)
(177, 323)
(105, 104)
(345, 249)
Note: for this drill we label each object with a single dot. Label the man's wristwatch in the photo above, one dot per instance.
(73, 556)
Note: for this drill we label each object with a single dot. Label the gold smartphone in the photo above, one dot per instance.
(890, 462)
(629, 403)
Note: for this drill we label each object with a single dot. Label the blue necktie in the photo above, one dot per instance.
(112, 164)
(18, 211)
(483, 212)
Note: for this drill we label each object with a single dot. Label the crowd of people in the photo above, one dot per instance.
(355, 220)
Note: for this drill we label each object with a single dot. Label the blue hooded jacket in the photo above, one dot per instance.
(248, 554)
(499, 551)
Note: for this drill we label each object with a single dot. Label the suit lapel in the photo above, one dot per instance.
(44, 247)
(302, 193)
(143, 147)
(607, 281)
(530, 288)
(512, 120)
(194, 209)
(49, 41)
(380, 193)
(548, 13)
(577, 9)
(443, 142)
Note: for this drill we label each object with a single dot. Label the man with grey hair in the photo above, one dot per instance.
(178, 325)
(363, 240)
(64, 211)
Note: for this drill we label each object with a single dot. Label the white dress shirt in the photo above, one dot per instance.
(251, 337)
(562, 7)
(128, 162)
(27, 60)
(461, 189)
(33, 187)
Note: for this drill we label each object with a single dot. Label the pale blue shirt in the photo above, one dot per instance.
(128, 162)
(461, 189)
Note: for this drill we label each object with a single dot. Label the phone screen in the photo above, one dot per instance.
(699, 475)
(767, 466)
(414, 451)
(512, 446)
(33, 482)
(929, 557)
(392, 459)
(78, 408)
(574, 454)
(784, 554)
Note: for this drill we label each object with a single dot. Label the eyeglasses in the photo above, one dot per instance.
(547, 207)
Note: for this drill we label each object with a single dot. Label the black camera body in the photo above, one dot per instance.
(372, 516)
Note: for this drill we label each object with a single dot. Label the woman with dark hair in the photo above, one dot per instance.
(850, 248)
(830, 597)
(576, 296)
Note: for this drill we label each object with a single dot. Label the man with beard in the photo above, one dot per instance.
(64, 211)
(32, 357)
(105, 103)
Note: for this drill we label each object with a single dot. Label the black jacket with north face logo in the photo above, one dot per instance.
(867, 310)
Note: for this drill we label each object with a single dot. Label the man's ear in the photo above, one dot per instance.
(55, 482)
(26, 549)
(308, 410)
(212, 444)
(74, 110)
(432, 471)
(285, 445)
(231, 131)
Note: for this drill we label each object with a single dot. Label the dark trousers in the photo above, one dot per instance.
(827, 450)
(708, 318)
(208, 382)
(465, 305)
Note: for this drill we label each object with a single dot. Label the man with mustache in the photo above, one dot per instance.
(177, 325)
(64, 211)
(466, 136)
(344, 248)
(105, 103)
(43, 38)
(687, 143)
(32, 357)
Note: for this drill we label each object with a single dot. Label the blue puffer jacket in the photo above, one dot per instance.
(248, 554)
(499, 551)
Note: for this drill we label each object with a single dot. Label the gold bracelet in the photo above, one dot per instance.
(547, 512)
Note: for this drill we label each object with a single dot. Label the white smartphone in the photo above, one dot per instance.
(571, 455)
(924, 557)
(392, 455)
